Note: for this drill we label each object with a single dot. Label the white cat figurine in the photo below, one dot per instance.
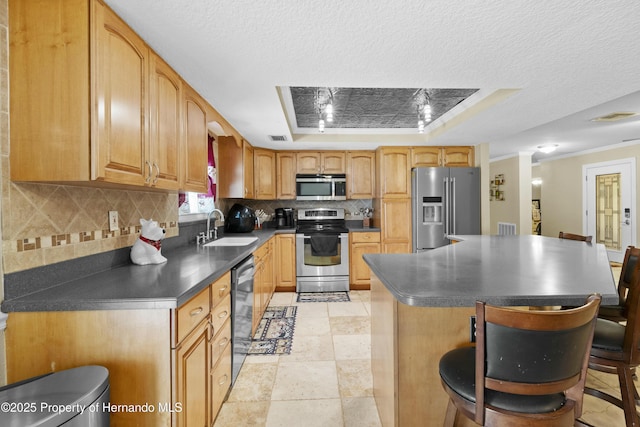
(147, 249)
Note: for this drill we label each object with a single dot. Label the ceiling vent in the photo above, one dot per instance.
(278, 138)
(614, 117)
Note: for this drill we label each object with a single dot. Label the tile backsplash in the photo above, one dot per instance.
(46, 223)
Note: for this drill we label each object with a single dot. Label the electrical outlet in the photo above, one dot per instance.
(472, 329)
(113, 220)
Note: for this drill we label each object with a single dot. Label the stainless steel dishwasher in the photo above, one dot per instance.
(241, 313)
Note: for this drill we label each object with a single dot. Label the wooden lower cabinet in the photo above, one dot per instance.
(393, 216)
(263, 281)
(192, 378)
(361, 243)
(285, 262)
(152, 356)
(406, 346)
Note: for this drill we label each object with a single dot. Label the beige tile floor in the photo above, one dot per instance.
(326, 380)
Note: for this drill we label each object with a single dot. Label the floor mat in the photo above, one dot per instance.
(323, 297)
(275, 332)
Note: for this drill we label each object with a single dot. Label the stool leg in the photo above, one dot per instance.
(450, 416)
(627, 388)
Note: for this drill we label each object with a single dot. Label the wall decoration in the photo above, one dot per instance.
(495, 192)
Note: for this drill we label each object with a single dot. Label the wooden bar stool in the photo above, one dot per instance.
(570, 236)
(527, 369)
(618, 313)
(615, 350)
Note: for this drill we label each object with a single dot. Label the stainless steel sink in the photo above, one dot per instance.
(232, 241)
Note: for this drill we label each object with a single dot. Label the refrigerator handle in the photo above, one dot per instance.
(452, 201)
(446, 206)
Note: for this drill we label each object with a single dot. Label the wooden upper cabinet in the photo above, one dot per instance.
(426, 156)
(458, 156)
(196, 139)
(165, 121)
(248, 170)
(454, 156)
(99, 106)
(310, 162)
(333, 162)
(264, 165)
(393, 172)
(285, 175)
(48, 141)
(361, 167)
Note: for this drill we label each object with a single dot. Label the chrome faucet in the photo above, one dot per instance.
(215, 227)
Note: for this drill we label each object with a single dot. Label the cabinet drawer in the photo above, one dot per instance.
(365, 237)
(220, 289)
(192, 313)
(220, 342)
(220, 381)
(220, 314)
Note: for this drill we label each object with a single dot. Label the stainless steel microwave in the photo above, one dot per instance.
(321, 187)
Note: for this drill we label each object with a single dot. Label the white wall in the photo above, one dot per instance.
(561, 190)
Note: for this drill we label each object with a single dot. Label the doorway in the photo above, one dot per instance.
(609, 205)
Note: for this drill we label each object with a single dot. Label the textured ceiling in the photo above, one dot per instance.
(372, 108)
(543, 68)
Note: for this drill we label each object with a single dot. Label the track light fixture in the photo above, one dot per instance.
(423, 108)
(324, 107)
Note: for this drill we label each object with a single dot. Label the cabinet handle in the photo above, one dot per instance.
(150, 172)
(223, 314)
(196, 311)
(224, 342)
(211, 331)
(221, 290)
(225, 377)
(155, 165)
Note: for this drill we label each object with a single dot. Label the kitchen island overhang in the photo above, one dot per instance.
(500, 270)
(421, 306)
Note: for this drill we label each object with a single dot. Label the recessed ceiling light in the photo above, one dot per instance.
(549, 148)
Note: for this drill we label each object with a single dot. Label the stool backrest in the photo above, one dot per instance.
(533, 352)
(625, 281)
(571, 236)
(630, 350)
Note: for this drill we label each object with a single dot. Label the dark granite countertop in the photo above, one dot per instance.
(500, 270)
(188, 270)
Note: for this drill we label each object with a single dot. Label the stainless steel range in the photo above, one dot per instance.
(322, 250)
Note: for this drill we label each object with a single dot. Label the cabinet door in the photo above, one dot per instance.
(286, 262)
(257, 294)
(396, 225)
(247, 164)
(192, 378)
(165, 125)
(50, 89)
(264, 162)
(361, 174)
(393, 172)
(286, 176)
(426, 156)
(267, 279)
(359, 273)
(230, 174)
(121, 82)
(195, 142)
(333, 162)
(458, 156)
(308, 162)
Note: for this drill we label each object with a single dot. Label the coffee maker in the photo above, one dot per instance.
(284, 218)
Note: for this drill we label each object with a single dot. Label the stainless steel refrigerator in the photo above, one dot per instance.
(445, 201)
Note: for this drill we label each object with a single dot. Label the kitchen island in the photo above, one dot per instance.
(421, 305)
